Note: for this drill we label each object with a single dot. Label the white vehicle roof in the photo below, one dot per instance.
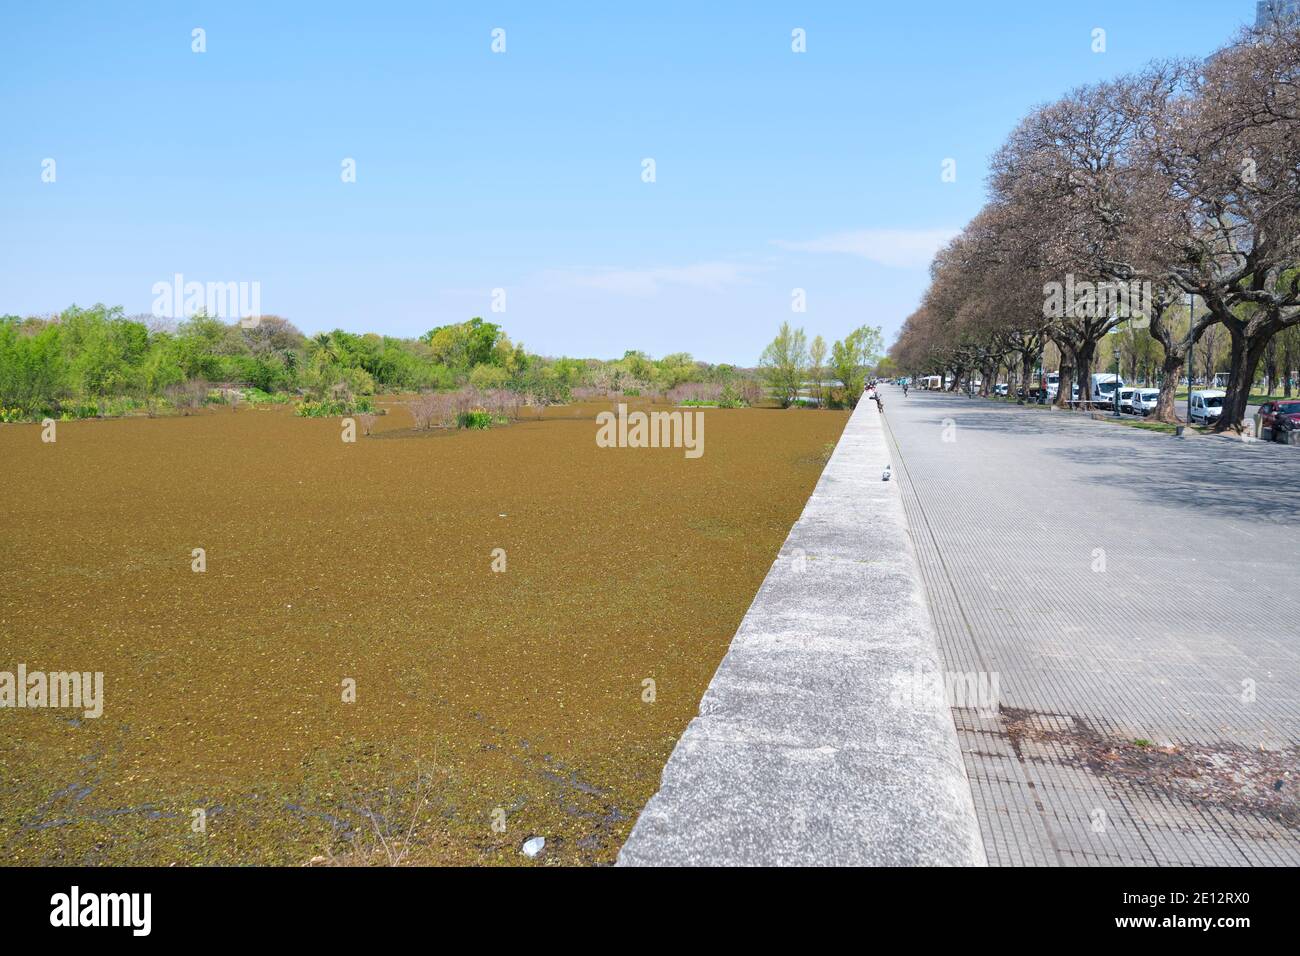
(1210, 393)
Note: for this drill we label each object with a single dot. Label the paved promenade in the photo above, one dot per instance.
(1137, 598)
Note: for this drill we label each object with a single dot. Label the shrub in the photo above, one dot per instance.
(187, 396)
(466, 407)
(488, 377)
(696, 393)
(730, 397)
(117, 407)
(433, 410)
(474, 419)
(330, 408)
(502, 403)
(466, 399)
(539, 387)
(256, 396)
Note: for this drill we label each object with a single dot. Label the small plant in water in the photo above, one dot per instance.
(476, 418)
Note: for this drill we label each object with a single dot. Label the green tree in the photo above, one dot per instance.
(852, 356)
(817, 354)
(32, 365)
(466, 344)
(783, 364)
(487, 377)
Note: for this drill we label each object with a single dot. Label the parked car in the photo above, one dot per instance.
(1126, 400)
(1280, 418)
(1205, 406)
(1002, 388)
(1145, 400)
(1054, 388)
(1102, 389)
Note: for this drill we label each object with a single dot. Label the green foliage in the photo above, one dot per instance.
(784, 363)
(467, 344)
(331, 408)
(95, 361)
(33, 372)
(477, 419)
(549, 384)
(488, 377)
(256, 396)
(731, 397)
(852, 357)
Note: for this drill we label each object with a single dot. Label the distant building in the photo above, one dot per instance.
(1271, 11)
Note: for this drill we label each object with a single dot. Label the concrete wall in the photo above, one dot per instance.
(816, 743)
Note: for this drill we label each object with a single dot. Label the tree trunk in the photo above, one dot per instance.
(1270, 365)
(1241, 375)
(1064, 379)
(1084, 356)
(1238, 396)
(1288, 360)
(1172, 369)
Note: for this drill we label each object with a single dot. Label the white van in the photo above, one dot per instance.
(1205, 406)
(1145, 400)
(1102, 389)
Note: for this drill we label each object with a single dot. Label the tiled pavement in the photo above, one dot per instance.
(1125, 587)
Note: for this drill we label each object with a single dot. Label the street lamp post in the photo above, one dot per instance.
(1042, 372)
(1191, 353)
(1114, 395)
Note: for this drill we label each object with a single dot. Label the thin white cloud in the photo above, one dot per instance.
(710, 276)
(895, 248)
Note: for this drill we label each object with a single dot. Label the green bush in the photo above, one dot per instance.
(475, 419)
(731, 397)
(75, 410)
(487, 377)
(332, 408)
(256, 396)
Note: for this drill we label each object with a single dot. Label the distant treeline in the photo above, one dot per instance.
(98, 361)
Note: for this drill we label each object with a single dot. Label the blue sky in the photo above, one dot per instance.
(523, 170)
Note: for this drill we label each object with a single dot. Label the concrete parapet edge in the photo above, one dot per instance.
(819, 740)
